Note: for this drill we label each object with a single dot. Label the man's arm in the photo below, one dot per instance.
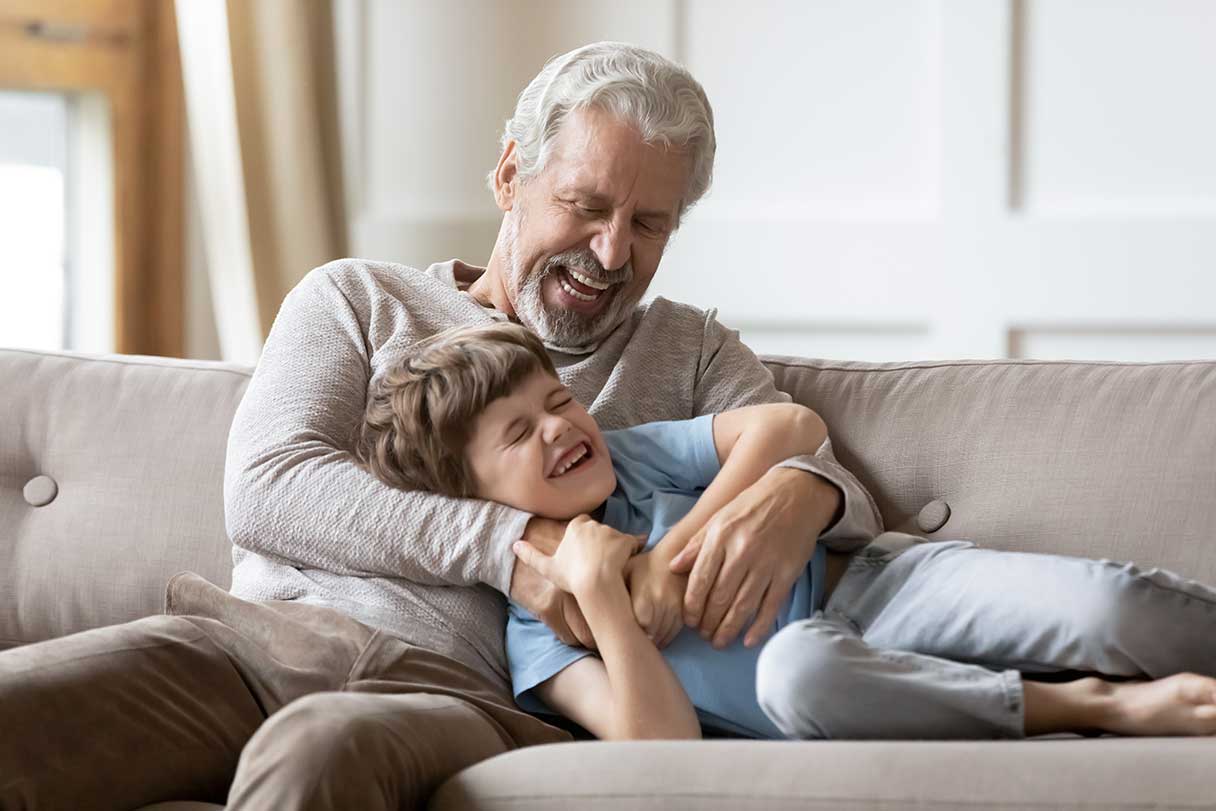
(731, 376)
(772, 523)
(292, 491)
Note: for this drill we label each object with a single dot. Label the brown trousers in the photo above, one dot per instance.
(267, 705)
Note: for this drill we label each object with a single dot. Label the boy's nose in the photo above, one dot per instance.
(554, 427)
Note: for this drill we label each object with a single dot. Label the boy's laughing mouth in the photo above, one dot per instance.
(572, 459)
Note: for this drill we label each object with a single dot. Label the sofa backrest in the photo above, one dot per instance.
(1093, 459)
(1096, 459)
(129, 450)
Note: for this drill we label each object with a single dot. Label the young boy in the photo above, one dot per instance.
(480, 412)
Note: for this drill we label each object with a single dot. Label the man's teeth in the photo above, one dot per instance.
(581, 279)
(580, 296)
(582, 451)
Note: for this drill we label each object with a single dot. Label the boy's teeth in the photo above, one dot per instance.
(584, 280)
(582, 451)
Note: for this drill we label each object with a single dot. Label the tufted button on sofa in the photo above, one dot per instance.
(933, 516)
(40, 491)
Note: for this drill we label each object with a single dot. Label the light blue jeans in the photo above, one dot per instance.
(929, 639)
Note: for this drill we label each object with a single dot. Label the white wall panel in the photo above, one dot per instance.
(1120, 108)
(822, 109)
(1123, 343)
(878, 342)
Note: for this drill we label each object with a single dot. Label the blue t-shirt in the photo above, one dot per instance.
(661, 470)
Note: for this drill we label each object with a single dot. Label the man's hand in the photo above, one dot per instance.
(552, 606)
(657, 595)
(747, 557)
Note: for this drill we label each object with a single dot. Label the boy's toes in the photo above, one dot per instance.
(1191, 687)
(1205, 719)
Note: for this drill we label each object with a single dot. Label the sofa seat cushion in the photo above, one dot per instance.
(1045, 772)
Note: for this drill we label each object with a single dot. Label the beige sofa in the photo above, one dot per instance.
(110, 481)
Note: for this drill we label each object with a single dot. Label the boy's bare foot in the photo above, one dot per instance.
(1182, 704)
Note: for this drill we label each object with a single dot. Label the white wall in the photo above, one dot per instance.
(895, 180)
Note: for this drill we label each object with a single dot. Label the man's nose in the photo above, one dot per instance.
(612, 244)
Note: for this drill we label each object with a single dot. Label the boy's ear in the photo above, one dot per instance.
(506, 178)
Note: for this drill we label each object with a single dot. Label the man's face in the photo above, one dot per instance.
(538, 450)
(583, 238)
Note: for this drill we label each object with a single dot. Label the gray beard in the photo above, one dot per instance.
(563, 330)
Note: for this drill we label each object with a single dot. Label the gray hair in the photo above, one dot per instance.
(662, 99)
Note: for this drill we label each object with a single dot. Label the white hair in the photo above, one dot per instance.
(658, 97)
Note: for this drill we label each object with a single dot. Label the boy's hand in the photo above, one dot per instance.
(657, 595)
(590, 554)
(552, 606)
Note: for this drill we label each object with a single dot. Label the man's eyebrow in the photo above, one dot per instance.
(595, 197)
(591, 197)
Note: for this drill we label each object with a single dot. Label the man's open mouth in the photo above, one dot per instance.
(579, 285)
(572, 459)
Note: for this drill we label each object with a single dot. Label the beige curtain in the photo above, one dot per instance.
(284, 80)
(262, 117)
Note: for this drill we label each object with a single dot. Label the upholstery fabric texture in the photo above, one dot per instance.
(135, 446)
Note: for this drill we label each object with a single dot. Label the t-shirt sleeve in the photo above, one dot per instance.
(668, 455)
(535, 655)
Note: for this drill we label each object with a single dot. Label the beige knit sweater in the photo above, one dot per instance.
(307, 524)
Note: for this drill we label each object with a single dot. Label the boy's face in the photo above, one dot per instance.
(538, 450)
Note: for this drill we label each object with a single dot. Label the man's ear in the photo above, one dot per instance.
(506, 178)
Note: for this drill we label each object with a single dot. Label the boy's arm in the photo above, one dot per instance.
(629, 692)
(768, 528)
(749, 442)
(730, 376)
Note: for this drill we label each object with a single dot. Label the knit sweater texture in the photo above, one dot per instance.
(307, 524)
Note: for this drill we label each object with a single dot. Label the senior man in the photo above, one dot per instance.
(358, 660)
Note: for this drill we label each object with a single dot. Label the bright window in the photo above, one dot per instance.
(33, 249)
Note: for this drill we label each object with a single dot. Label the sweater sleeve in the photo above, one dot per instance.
(731, 376)
(292, 490)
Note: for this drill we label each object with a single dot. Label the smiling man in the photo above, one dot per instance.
(358, 660)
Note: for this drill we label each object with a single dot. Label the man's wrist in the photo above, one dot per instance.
(544, 533)
(820, 495)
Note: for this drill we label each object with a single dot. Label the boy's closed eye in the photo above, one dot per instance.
(520, 429)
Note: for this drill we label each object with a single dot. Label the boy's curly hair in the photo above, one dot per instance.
(420, 411)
